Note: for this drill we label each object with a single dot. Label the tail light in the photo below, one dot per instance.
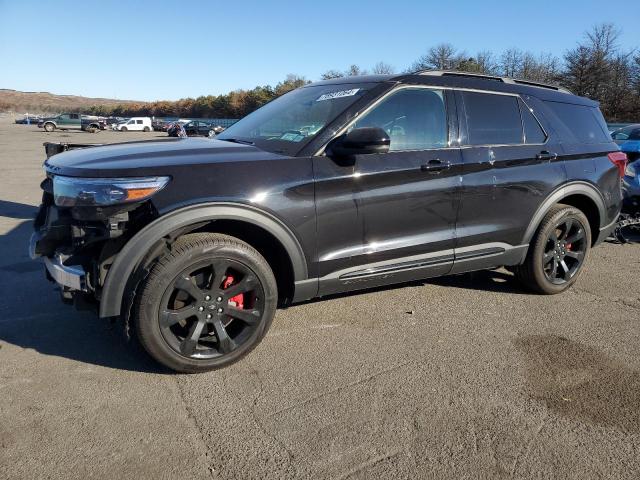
(619, 159)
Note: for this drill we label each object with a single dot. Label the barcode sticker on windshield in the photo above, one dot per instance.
(340, 94)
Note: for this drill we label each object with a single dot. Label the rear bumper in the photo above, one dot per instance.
(605, 232)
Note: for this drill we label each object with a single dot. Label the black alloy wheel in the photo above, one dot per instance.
(557, 251)
(211, 308)
(206, 303)
(565, 251)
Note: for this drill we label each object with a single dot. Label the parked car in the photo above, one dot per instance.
(28, 120)
(631, 179)
(621, 135)
(192, 128)
(160, 125)
(337, 186)
(135, 124)
(69, 121)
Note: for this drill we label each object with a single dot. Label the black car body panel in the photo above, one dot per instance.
(373, 220)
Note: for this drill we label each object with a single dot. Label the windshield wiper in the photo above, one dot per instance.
(236, 140)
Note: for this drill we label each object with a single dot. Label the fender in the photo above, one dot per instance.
(134, 251)
(556, 196)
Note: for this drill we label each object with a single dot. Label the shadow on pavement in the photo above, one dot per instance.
(485, 280)
(17, 210)
(33, 317)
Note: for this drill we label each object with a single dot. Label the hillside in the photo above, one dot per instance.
(45, 102)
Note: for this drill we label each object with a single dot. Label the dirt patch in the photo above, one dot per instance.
(579, 382)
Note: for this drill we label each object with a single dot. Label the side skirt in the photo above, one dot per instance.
(417, 267)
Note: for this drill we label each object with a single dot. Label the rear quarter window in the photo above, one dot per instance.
(492, 119)
(579, 123)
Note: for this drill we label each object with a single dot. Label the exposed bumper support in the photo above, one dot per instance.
(68, 276)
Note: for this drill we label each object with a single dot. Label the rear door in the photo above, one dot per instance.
(510, 165)
(391, 217)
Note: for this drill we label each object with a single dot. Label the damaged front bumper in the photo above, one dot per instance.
(70, 276)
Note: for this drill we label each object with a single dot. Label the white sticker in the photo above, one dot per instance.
(340, 94)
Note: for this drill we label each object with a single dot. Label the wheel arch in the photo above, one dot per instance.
(581, 195)
(149, 242)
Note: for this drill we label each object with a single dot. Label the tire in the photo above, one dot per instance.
(123, 129)
(558, 251)
(188, 321)
(146, 129)
(49, 127)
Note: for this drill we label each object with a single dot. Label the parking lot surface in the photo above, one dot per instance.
(459, 377)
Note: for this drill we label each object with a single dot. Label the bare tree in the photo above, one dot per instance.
(329, 74)
(486, 62)
(354, 70)
(511, 62)
(441, 57)
(382, 68)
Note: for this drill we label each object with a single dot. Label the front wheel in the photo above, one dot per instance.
(206, 304)
(123, 129)
(558, 251)
(49, 127)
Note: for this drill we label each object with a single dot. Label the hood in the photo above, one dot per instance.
(155, 157)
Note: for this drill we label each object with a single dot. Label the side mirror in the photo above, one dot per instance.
(360, 141)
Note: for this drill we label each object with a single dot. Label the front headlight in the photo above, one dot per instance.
(87, 192)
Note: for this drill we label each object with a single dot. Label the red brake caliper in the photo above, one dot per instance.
(568, 246)
(238, 300)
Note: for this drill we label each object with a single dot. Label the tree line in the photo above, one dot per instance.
(597, 67)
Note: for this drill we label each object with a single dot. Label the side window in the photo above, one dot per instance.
(580, 123)
(492, 119)
(74, 116)
(533, 132)
(139, 122)
(620, 136)
(634, 135)
(414, 118)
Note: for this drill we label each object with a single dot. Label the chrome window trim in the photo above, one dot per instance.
(485, 145)
(359, 115)
(321, 151)
(546, 134)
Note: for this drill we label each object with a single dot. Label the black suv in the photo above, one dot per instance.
(340, 185)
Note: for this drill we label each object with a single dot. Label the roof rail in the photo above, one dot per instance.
(453, 73)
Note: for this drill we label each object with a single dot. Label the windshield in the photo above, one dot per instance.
(287, 123)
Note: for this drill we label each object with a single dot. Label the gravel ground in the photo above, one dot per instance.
(461, 377)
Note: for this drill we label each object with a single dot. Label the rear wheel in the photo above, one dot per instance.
(146, 129)
(558, 251)
(206, 304)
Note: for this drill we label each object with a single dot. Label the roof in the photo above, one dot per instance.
(439, 78)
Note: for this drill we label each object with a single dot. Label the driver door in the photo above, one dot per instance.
(390, 217)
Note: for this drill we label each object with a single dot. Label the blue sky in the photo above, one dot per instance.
(148, 50)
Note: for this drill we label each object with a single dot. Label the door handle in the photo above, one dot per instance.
(436, 165)
(546, 155)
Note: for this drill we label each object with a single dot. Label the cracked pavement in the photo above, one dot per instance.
(482, 380)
